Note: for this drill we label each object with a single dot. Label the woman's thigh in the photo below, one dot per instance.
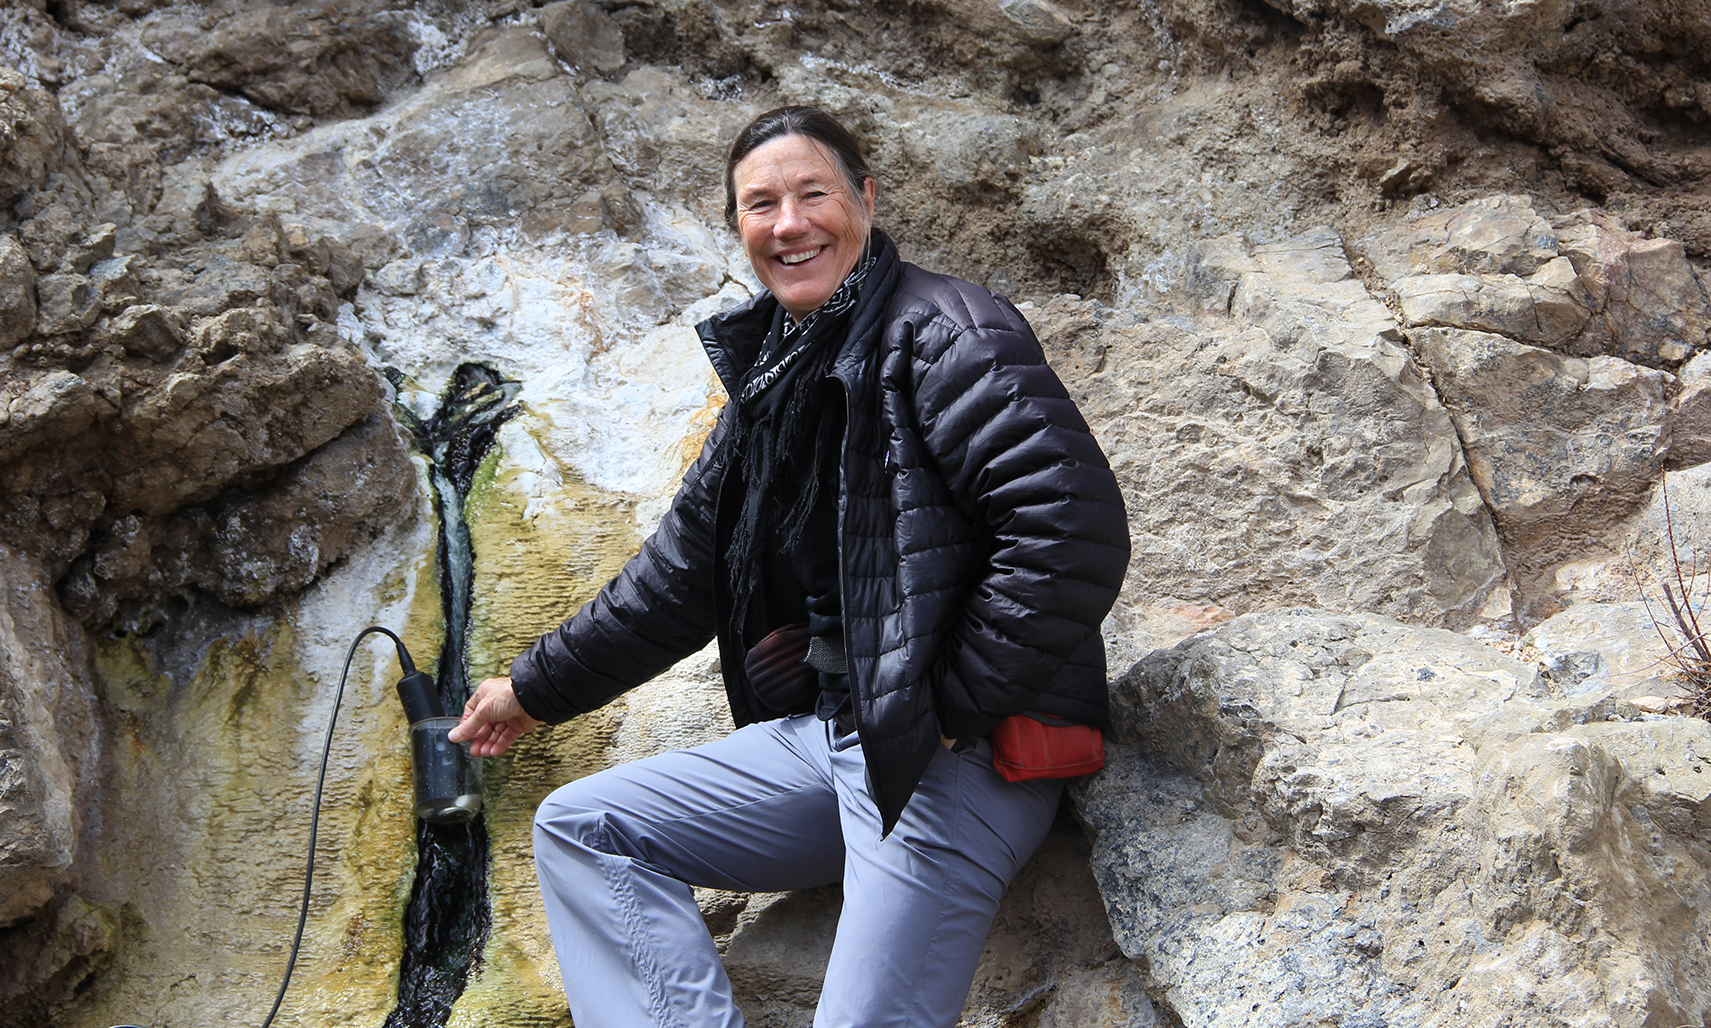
(755, 811)
(918, 904)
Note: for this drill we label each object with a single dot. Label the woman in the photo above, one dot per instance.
(902, 534)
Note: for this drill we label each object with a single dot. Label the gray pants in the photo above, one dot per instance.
(771, 807)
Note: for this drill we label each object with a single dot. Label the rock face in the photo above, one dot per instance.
(1390, 310)
(50, 740)
(1294, 402)
(1350, 820)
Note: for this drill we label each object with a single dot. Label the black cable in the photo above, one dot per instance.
(315, 814)
(315, 817)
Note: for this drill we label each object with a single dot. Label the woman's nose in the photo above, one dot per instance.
(790, 218)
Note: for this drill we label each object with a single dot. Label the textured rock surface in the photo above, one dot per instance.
(1578, 283)
(49, 739)
(1564, 459)
(1380, 308)
(1327, 472)
(1600, 647)
(1350, 820)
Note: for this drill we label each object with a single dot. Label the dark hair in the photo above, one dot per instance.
(810, 122)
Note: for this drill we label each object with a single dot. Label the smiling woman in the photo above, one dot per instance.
(802, 225)
(904, 538)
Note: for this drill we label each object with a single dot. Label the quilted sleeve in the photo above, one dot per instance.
(1019, 459)
(658, 610)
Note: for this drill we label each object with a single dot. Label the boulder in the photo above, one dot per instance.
(500, 142)
(65, 303)
(249, 548)
(663, 138)
(1632, 648)
(1547, 308)
(1652, 307)
(50, 741)
(17, 293)
(1690, 421)
(583, 35)
(1024, 23)
(33, 136)
(1317, 817)
(115, 282)
(315, 57)
(242, 401)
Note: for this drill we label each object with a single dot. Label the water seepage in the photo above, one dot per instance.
(445, 924)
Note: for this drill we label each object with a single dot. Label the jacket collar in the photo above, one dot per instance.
(733, 339)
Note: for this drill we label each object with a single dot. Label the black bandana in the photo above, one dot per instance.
(779, 440)
(800, 335)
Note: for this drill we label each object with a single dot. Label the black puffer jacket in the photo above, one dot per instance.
(982, 540)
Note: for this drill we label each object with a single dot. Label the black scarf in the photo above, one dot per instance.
(778, 404)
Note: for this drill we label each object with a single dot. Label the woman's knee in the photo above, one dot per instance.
(571, 814)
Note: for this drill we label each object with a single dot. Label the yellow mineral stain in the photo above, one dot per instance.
(217, 751)
(701, 426)
(215, 795)
(531, 572)
(349, 971)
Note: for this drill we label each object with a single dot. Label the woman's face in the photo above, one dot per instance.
(802, 227)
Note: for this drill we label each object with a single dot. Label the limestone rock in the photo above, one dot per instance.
(1563, 450)
(1546, 308)
(32, 136)
(302, 58)
(584, 35)
(17, 293)
(65, 303)
(219, 286)
(1600, 647)
(50, 743)
(1690, 423)
(661, 137)
(1579, 284)
(114, 281)
(973, 153)
(248, 549)
(1499, 235)
(1653, 307)
(50, 956)
(1033, 23)
(1668, 544)
(242, 401)
(1556, 73)
(499, 143)
(54, 405)
(1328, 472)
(1349, 817)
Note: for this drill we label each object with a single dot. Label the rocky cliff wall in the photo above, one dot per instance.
(1390, 311)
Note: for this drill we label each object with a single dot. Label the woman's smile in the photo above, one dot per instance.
(802, 226)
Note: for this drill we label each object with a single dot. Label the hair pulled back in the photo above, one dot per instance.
(810, 122)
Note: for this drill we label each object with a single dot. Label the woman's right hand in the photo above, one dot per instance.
(492, 719)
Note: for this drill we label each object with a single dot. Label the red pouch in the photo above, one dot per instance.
(1034, 745)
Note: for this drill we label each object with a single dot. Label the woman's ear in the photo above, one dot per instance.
(868, 190)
